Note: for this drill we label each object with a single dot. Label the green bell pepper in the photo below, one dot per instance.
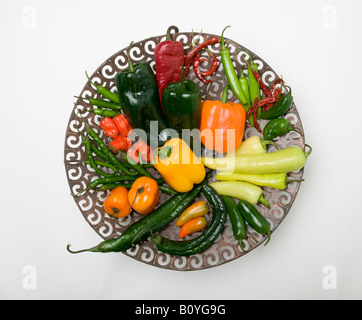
(138, 94)
(182, 104)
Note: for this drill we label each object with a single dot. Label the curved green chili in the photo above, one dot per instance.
(244, 83)
(230, 72)
(113, 97)
(112, 158)
(103, 104)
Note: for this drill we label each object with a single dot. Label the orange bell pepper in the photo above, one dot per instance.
(144, 195)
(222, 124)
(117, 204)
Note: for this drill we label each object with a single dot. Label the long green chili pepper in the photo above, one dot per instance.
(103, 164)
(98, 152)
(245, 88)
(230, 72)
(111, 186)
(91, 160)
(206, 239)
(254, 87)
(105, 113)
(102, 156)
(103, 104)
(142, 229)
(139, 168)
(112, 158)
(107, 180)
(113, 97)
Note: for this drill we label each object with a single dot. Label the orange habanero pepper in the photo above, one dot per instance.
(144, 195)
(117, 204)
(218, 118)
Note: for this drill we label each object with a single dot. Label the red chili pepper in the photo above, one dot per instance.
(123, 125)
(276, 82)
(109, 127)
(197, 69)
(120, 144)
(263, 87)
(214, 65)
(198, 48)
(140, 149)
(169, 58)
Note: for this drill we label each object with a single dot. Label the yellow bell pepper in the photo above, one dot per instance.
(178, 165)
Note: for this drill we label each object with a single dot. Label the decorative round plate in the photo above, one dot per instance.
(226, 248)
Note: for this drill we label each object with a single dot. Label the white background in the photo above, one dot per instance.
(45, 48)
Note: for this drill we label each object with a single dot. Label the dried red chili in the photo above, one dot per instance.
(197, 69)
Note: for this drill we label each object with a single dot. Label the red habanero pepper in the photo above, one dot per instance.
(120, 144)
(140, 152)
(123, 125)
(109, 127)
(169, 58)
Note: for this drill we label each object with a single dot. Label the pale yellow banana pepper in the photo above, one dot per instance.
(179, 165)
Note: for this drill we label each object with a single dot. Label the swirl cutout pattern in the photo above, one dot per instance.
(90, 204)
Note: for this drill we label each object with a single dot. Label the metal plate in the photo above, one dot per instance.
(90, 204)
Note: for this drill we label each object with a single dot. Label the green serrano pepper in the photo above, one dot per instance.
(230, 72)
(206, 239)
(142, 229)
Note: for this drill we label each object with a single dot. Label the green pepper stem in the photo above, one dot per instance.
(94, 249)
(307, 154)
(264, 201)
(168, 34)
(86, 73)
(222, 39)
(265, 143)
(241, 245)
(294, 180)
(130, 63)
(224, 97)
(268, 234)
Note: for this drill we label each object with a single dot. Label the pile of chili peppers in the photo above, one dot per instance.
(175, 102)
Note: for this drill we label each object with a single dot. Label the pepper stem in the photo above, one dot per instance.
(264, 201)
(268, 234)
(241, 245)
(265, 143)
(307, 154)
(222, 39)
(94, 249)
(139, 191)
(130, 63)
(168, 34)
